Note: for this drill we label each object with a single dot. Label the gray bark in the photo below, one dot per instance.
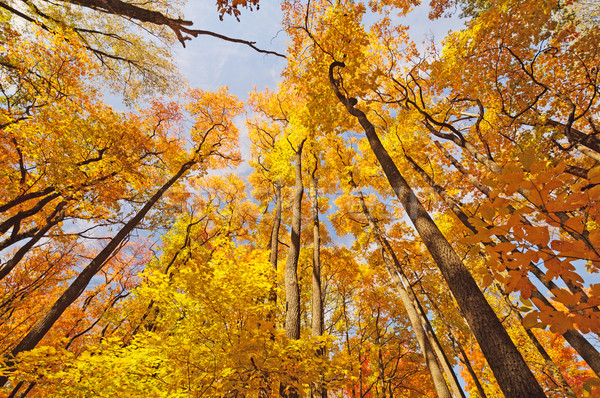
(292, 289)
(317, 390)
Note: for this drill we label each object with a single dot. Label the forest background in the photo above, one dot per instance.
(387, 213)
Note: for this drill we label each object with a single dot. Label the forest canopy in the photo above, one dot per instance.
(394, 218)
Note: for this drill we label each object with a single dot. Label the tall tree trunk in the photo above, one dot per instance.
(347, 336)
(429, 331)
(274, 247)
(78, 286)
(413, 316)
(467, 363)
(274, 242)
(437, 347)
(513, 375)
(317, 299)
(292, 290)
(15, 390)
(317, 389)
(381, 376)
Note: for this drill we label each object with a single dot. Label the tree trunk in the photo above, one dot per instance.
(274, 242)
(292, 290)
(317, 389)
(456, 340)
(437, 347)
(429, 331)
(381, 375)
(467, 363)
(317, 299)
(347, 338)
(513, 375)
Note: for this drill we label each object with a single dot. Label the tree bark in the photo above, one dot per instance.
(514, 376)
(292, 290)
(437, 347)
(464, 358)
(274, 243)
(467, 363)
(317, 390)
(381, 375)
(25, 197)
(317, 299)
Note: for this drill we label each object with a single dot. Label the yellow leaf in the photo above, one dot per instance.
(531, 321)
(594, 192)
(567, 298)
(594, 175)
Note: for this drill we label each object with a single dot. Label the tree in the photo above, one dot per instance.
(488, 143)
(490, 333)
(215, 137)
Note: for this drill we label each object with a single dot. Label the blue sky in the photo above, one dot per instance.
(209, 63)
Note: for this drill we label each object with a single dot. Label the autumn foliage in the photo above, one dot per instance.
(420, 219)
